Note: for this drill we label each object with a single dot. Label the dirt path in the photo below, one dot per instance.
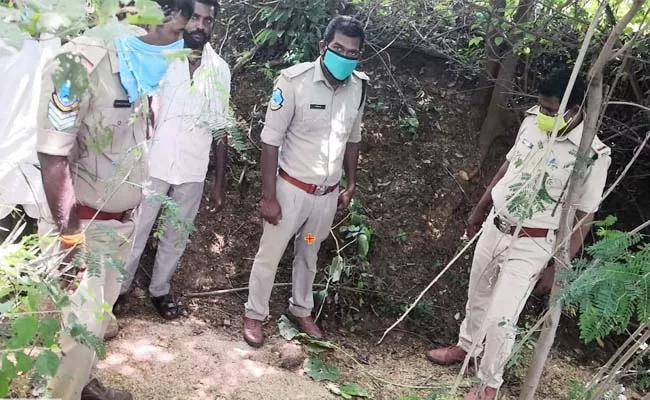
(189, 359)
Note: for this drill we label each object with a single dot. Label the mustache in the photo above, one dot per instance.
(196, 33)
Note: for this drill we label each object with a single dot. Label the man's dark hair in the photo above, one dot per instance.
(211, 3)
(346, 25)
(185, 7)
(556, 83)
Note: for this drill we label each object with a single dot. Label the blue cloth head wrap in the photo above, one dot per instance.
(142, 65)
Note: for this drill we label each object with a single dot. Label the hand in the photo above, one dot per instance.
(216, 200)
(270, 210)
(474, 223)
(345, 197)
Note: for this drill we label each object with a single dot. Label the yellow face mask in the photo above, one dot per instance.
(546, 122)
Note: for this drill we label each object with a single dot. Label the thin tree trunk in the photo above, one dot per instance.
(493, 123)
(594, 105)
(492, 64)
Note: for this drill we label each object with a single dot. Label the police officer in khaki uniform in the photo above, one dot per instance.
(313, 123)
(505, 269)
(93, 158)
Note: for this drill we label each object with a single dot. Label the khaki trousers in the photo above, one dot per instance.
(172, 244)
(109, 243)
(302, 214)
(504, 272)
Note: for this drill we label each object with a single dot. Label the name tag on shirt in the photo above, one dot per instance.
(121, 104)
(317, 106)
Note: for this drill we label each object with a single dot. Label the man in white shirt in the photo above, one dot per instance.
(192, 113)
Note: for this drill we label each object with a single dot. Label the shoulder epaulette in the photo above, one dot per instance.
(600, 148)
(361, 75)
(297, 70)
(534, 110)
(91, 50)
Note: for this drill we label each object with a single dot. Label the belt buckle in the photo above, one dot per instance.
(320, 190)
(501, 225)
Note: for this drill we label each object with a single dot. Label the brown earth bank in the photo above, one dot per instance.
(417, 183)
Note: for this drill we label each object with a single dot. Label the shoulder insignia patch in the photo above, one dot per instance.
(277, 99)
(62, 109)
(62, 99)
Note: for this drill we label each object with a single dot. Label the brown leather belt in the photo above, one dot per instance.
(508, 229)
(318, 190)
(86, 212)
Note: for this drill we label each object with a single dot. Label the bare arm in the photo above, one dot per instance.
(269, 206)
(485, 202)
(350, 163)
(476, 217)
(269, 168)
(578, 237)
(57, 182)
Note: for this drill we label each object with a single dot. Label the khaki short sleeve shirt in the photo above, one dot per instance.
(102, 134)
(514, 195)
(312, 123)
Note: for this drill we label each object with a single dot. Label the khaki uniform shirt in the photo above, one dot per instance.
(312, 123)
(102, 134)
(526, 155)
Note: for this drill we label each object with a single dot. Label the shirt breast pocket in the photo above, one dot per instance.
(109, 132)
(314, 115)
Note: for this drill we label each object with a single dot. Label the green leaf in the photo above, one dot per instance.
(4, 386)
(476, 40)
(48, 330)
(364, 246)
(609, 221)
(82, 335)
(47, 363)
(309, 340)
(498, 40)
(350, 390)
(335, 269)
(287, 329)
(23, 362)
(173, 55)
(319, 297)
(71, 70)
(24, 329)
(321, 371)
(8, 368)
(315, 349)
(149, 13)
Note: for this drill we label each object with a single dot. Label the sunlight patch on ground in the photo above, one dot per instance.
(217, 246)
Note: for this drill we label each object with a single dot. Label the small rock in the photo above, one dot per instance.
(463, 175)
(292, 355)
(226, 322)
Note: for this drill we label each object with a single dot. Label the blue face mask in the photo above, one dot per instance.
(339, 66)
(142, 65)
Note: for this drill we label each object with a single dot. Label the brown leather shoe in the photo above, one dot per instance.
(253, 332)
(306, 325)
(94, 390)
(479, 392)
(447, 355)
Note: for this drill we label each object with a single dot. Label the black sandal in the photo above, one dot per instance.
(166, 306)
